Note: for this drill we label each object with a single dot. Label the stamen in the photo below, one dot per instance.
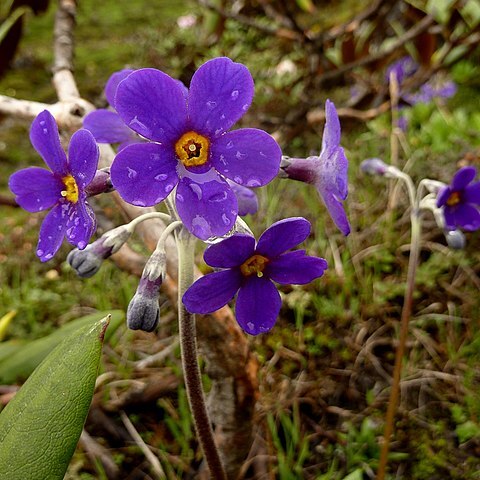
(192, 149)
(254, 265)
(454, 199)
(71, 189)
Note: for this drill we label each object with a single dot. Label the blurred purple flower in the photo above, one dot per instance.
(249, 268)
(403, 68)
(328, 171)
(190, 144)
(105, 124)
(460, 201)
(62, 189)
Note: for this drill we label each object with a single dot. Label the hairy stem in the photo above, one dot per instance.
(191, 370)
(406, 312)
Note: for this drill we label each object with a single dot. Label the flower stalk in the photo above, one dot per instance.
(405, 318)
(191, 369)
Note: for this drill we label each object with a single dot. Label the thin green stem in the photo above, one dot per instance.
(406, 313)
(191, 369)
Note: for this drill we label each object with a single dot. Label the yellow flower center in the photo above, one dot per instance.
(254, 265)
(454, 199)
(71, 189)
(192, 149)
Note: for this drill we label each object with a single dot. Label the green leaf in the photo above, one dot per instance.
(23, 361)
(40, 427)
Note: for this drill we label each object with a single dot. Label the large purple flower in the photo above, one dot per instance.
(460, 201)
(328, 171)
(191, 147)
(249, 268)
(62, 189)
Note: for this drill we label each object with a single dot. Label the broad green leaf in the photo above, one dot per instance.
(7, 349)
(41, 425)
(23, 361)
(5, 322)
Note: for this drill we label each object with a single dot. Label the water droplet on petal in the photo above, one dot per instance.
(239, 155)
(229, 145)
(40, 252)
(160, 177)
(251, 326)
(139, 203)
(222, 116)
(226, 220)
(81, 245)
(131, 172)
(234, 94)
(179, 198)
(42, 123)
(211, 104)
(254, 182)
(45, 131)
(48, 256)
(238, 180)
(169, 188)
(218, 197)
(245, 107)
(197, 190)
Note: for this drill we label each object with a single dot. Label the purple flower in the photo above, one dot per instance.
(328, 171)
(403, 68)
(246, 198)
(249, 268)
(106, 125)
(191, 147)
(62, 189)
(460, 201)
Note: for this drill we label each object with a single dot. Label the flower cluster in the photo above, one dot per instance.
(176, 142)
(249, 268)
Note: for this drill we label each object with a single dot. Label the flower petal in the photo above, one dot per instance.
(51, 232)
(213, 291)
(83, 156)
(332, 172)
(112, 84)
(35, 188)
(471, 193)
(246, 198)
(462, 216)
(295, 268)
(207, 209)
(336, 210)
(107, 127)
(463, 177)
(231, 252)
(46, 141)
(247, 156)
(81, 224)
(221, 91)
(282, 236)
(144, 173)
(152, 103)
(443, 195)
(331, 131)
(258, 305)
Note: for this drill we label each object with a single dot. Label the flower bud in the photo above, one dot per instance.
(101, 183)
(143, 312)
(455, 239)
(374, 166)
(88, 261)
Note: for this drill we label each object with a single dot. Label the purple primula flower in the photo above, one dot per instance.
(62, 189)
(191, 147)
(328, 171)
(249, 268)
(105, 124)
(460, 201)
(246, 198)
